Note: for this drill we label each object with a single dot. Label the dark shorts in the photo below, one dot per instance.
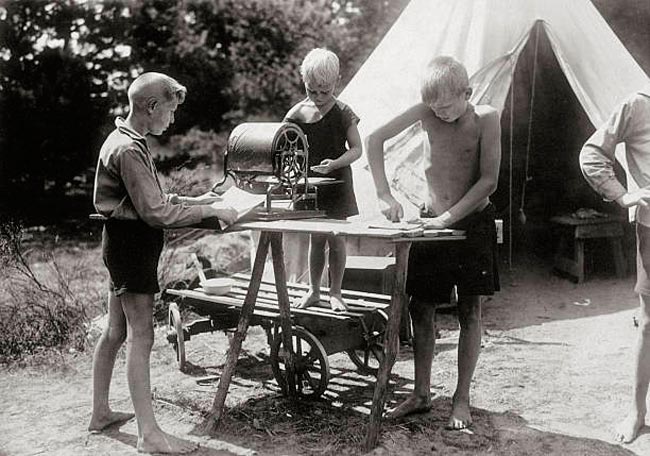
(642, 260)
(471, 264)
(131, 250)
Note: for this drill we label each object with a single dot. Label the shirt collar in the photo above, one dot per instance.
(123, 128)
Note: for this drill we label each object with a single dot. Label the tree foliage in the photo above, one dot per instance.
(65, 67)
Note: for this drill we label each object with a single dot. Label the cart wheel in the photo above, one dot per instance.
(311, 368)
(368, 356)
(175, 334)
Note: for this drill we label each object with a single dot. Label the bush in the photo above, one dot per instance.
(40, 304)
(190, 150)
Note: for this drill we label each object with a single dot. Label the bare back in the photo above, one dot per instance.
(452, 160)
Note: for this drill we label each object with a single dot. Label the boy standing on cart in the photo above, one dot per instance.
(461, 167)
(129, 195)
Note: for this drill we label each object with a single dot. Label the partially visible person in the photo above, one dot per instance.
(629, 124)
(334, 143)
(461, 168)
(129, 195)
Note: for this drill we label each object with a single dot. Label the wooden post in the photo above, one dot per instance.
(277, 253)
(397, 305)
(235, 345)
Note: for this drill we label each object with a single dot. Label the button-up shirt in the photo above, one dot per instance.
(127, 185)
(629, 124)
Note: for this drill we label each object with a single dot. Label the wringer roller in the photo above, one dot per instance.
(272, 158)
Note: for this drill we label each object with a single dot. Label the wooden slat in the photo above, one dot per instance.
(269, 291)
(325, 290)
(230, 301)
(319, 310)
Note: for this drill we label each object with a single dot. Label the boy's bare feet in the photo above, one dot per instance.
(337, 304)
(628, 429)
(412, 404)
(161, 442)
(308, 300)
(100, 422)
(460, 418)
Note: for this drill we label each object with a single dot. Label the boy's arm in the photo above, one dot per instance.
(208, 197)
(490, 147)
(349, 156)
(598, 155)
(390, 207)
(153, 207)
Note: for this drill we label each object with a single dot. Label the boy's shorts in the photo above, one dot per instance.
(471, 264)
(131, 250)
(642, 259)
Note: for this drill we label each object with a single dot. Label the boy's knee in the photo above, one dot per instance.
(469, 311)
(421, 311)
(142, 337)
(115, 336)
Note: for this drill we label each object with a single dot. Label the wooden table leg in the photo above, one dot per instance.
(397, 305)
(277, 253)
(240, 334)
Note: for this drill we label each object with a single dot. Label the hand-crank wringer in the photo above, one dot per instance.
(272, 158)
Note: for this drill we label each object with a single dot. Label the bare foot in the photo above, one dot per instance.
(628, 429)
(460, 418)
(412, 404)
(100, 422)
(309, 299)
(337, 304)
(161, 442)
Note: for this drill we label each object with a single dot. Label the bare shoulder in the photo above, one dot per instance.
(299, 112)
(416, 112)
(486, 113)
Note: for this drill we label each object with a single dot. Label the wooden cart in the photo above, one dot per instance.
(317, 331)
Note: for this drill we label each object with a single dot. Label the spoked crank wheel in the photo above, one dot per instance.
(175, 334)
(368, 356)
(311, 368)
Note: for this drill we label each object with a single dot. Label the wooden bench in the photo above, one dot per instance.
(574, 232)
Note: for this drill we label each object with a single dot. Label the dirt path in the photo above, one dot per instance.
(553, 378)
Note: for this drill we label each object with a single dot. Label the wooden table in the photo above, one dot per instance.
(271, 237)
(573, 234)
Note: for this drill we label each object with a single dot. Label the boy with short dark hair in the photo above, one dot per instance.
(128, 193)
(461, 167)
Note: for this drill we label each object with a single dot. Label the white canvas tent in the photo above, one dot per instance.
(488, 36)
(560, 53)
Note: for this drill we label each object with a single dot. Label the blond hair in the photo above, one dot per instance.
(320, 67)
(444, 76)
(154, 86)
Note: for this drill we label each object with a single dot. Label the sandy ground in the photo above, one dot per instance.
(553, 378)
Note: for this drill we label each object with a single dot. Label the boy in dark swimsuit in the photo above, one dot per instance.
(334, 143)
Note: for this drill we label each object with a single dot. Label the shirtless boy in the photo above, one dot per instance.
(461, 167)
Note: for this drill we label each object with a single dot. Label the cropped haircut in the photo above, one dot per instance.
(155, 85)
(320, 67)
(444, 76)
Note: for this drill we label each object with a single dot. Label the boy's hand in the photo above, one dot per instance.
(226, 214)
(325, 167)
(436, 223)
(207, 198)
(640, 197)
(391, 208)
